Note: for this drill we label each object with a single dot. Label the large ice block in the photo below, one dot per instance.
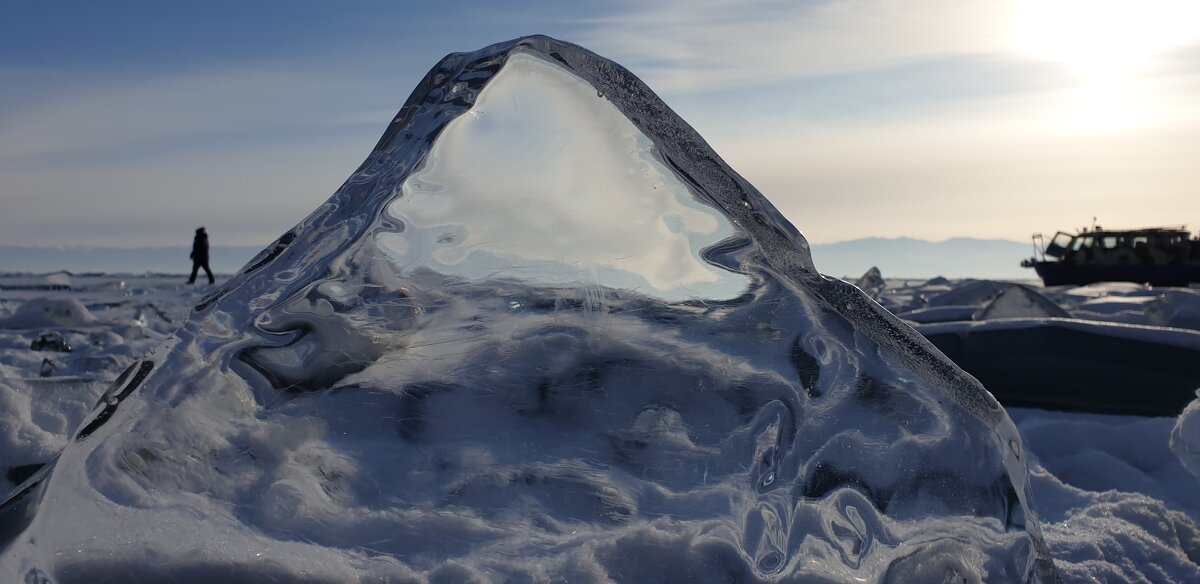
(543, 333)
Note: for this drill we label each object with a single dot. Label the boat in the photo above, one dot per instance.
(1159, 256)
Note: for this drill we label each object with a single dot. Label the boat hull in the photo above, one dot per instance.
(1061, 274)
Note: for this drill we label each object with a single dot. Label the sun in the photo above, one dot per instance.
(1106, 45)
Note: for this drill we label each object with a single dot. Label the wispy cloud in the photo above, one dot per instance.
(89, 114)
(702, 44)
(1000, 168)
(683, 45)
(1005, 137)
(123, 160)
(856, 117)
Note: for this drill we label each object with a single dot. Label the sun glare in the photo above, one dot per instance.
(1106, 45)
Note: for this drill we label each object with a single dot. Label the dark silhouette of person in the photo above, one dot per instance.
(200, 256)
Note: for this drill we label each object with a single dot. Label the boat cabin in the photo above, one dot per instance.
(1164, 256)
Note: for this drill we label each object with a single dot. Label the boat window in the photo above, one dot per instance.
(1140, 241)
(1059, 245)
(1109, 242)
(1081, 243)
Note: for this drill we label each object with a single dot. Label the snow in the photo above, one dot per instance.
(1117, 504)
(41, 412)
(49, 312)
(298, 457)
(1117, 496)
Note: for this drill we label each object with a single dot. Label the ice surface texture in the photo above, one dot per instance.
(543, 333)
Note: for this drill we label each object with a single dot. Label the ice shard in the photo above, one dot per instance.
(543, 333)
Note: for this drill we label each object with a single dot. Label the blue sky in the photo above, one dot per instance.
(129, 123)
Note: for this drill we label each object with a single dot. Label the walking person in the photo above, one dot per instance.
(200, 256)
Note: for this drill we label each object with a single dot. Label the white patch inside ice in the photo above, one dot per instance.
(551, 185)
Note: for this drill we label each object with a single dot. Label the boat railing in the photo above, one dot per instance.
(1039, 247)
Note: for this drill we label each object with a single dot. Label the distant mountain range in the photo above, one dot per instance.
(903, 257)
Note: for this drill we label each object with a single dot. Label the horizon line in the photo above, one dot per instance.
(84, 247)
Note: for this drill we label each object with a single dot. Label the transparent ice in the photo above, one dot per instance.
(543, 333)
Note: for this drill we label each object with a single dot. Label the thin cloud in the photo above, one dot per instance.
(709, 44)
(93, 115)
(247, 151)
(103, 157)
(1003, 168)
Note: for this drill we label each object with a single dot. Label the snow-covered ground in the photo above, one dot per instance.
(1114, 493)
(92, 328)
(1116, 502)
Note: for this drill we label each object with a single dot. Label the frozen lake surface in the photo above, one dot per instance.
(544, 333)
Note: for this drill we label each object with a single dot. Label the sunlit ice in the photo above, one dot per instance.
(1109, 48)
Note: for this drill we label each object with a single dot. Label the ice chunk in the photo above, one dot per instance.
(57, 281)
(1017, 301)
(50, 341)
(871, 282)
(48, 312)
(940, 314)
(1177, 308)
(975, 293)
(1185, 438)
(543, 333)
(48, 368)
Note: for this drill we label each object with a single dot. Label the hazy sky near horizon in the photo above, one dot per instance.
(131, 123)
